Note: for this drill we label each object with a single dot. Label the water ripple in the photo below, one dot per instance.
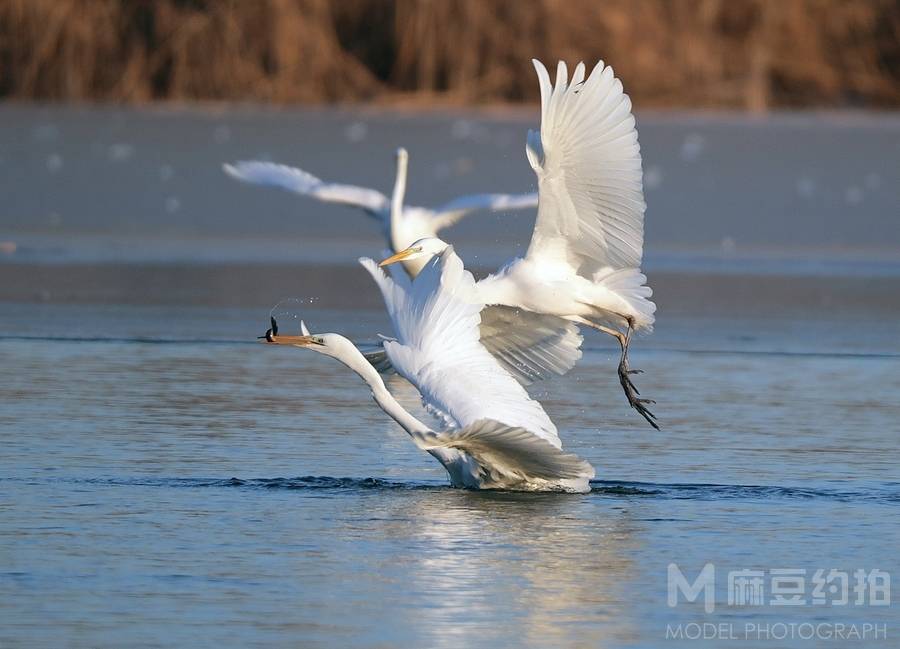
(885, 493)
(888, 493)
(149, 340)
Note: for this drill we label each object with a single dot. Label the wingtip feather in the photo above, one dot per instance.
(368, 263)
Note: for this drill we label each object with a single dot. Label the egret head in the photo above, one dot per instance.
(425, 248)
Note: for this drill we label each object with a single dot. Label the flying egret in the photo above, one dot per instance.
(494, 436)
(401, 226)
(583, 263)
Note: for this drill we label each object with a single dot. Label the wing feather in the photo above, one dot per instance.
(301, 182)
(512, 452)
(588, 164)
(449, 213)
(530, 346)
(436, 322)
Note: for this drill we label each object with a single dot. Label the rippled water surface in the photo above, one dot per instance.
(167, 481)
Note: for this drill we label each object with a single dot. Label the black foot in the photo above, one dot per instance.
(632, 394)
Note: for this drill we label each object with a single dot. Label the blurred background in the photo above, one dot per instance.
(745, 54)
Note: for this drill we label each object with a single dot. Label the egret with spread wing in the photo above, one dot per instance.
(532, 346)
(583, 263)
(401, 226)
(494, 436)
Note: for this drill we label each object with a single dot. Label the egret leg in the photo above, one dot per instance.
(631, 392)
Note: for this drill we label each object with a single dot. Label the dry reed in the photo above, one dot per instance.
(752, 54)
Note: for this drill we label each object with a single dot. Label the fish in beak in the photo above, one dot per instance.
(304, 340)
(271, 332)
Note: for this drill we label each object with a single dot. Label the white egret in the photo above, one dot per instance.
(495, 436)
(532, 346)
(401, 226)
(583, 263)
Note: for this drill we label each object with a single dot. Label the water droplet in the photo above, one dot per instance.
(465, 129)
(853, 195)
(692, 147)
(442, 171)
(119, 152)
(46, 132)
(873, 180)
(221, 134)
(54, 162)
(653, 177)
(288, 313)
(356, 132)
(806, 187)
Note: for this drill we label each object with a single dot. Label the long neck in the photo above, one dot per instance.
(397, 197)
(399, 234)
(358, 363)
(416, 429)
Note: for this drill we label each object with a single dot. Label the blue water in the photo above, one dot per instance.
(167, 481)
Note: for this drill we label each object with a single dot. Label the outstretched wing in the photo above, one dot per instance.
(588, 164)
(437, 349)
(512, 453)
(530, 346)
(449, 213)
(302, 182)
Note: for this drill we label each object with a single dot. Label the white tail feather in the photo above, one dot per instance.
(629, 284)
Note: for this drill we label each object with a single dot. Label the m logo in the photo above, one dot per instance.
(705, 582)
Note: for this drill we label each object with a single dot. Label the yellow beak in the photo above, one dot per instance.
(400, 256)
(299, 341)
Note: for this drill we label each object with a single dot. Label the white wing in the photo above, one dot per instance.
(302, 182)
(451, 212)
(437, 349)
(588, 164)
(510, 452)
(530, 346)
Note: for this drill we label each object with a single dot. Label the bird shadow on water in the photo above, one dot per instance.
(887, 492)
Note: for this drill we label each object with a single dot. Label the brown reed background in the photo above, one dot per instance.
(753, 54)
